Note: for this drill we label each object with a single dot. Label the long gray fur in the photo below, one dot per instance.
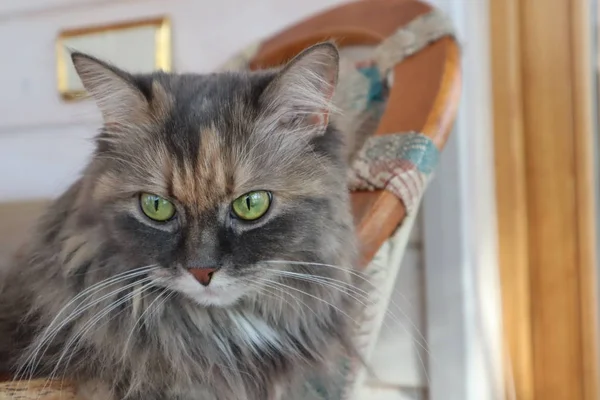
(100, 294)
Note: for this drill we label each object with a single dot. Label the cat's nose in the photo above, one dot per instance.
(203, 275)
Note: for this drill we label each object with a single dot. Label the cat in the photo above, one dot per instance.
(205, 252)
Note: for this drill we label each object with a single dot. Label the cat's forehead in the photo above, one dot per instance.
(206, 113)
(207, 145)
(207, 96)
(205, 176)
(219, 167)
(208, 134)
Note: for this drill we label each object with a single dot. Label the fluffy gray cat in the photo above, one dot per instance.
(206, 250)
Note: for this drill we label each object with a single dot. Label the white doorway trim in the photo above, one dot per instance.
(463, 313)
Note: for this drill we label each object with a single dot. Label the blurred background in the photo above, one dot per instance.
(497, 286)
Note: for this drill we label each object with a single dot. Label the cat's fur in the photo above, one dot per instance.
(201, 141)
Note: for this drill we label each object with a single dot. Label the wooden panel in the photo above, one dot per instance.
(551, 200)
(583, 65)
(511, 196)
(544, 155)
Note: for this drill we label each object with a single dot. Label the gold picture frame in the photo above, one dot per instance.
(138, 46)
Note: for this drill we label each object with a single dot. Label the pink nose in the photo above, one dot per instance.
(203, 275)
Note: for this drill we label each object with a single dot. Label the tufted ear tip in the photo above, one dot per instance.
(322, 59)
(76, 56)
(82, 61)
(114, 90)
(303, 90)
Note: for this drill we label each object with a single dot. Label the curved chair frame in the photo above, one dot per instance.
(424, 96)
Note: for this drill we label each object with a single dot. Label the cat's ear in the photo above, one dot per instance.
(301, 94)
(114, 90)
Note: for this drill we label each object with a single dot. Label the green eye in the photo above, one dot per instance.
(156, 207)
(252, 206)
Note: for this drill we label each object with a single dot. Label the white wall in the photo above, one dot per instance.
(44, 141)
(464, 318)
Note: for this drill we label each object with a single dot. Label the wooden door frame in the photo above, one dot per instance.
(543, 95)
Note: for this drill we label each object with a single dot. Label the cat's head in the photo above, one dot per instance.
(223, 182)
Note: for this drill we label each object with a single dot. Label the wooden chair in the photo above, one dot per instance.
(424, 96)
(422, 101)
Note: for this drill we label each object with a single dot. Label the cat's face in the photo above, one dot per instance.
(224, 182)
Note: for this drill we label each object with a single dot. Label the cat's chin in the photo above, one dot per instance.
(215, 297)
(222, 291)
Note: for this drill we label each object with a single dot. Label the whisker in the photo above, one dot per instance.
(347, 270)
(316, 298)
(347, 290)
(372, 287)
(347, 287)
(100, 285)
(350, 290)
(149, 307)
(89, 325)
(165, 299)
(339, 283)
(267, 285)
(80, 309)
(50, 332)
(300, 303)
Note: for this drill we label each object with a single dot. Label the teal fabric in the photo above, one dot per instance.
(422, 152)
(376, 89)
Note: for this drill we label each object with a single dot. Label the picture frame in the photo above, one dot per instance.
(139, 46)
